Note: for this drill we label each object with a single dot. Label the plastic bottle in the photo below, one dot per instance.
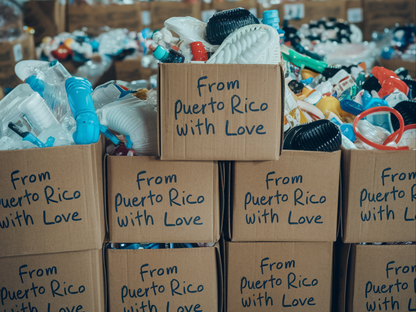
(170, 56)
(82, 106)
(271, 18)
(198, 51)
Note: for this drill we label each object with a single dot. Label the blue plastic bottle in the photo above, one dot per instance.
(271, 18)
(79, 97)
(170, 56)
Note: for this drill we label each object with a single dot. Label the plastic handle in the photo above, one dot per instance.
(375, 145)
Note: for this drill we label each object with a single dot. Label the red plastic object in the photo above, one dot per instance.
(375, 145)
(198, 51)
(392, 136)
(62, 53)
(389, 81)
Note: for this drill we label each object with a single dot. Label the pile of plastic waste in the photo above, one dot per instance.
(54, 108)
(399, 43)
(325, 105)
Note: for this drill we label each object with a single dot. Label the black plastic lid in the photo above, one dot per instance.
(221, 24)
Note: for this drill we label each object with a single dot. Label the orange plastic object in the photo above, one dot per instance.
(389, 81)
(62, 53)
(198, 51)
(398, 132)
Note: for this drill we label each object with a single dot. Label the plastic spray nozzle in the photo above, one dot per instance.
(302, 61)
(104, 130)
(82, 106)
(27, 136)
(36, 84)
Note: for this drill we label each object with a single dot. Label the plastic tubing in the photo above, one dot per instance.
(392, 136)
(375, 145)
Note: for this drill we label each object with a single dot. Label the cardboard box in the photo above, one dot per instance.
(279, 277)
(71, 281)
(114, 15)
(220, 111)
(395, 64)
(132, 69)
(154, 201)
(47, 17)
(379, 194)
(378, 278)
(51, 200)
(188, 279)
(160, 11)
(381, 14)
(22, 48)
(292, 199)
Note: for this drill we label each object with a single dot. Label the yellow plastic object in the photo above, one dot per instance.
(305, 93)
(68, 42)
(307, 73)
(294, 118)
(330, 104)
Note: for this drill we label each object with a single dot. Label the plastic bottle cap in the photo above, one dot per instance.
(270, 14)
(160, 53)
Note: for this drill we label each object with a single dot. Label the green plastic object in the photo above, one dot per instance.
(301, 60)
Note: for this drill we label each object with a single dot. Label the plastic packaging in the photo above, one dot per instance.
(135, 118)
(302, 61)
(253, 44)
(389, 81)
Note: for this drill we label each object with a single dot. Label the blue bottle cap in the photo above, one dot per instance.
(160, 53)
(270, 14)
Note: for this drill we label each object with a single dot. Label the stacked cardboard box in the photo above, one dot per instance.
(52, 229)
(282, 225)
(154, 201)
(378, 206)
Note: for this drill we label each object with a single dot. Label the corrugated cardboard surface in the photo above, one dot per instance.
(150, 200)
(47, 17)
(171, 278)
(381, 14)
(379, 196)
(382, 278)
(12, 52)
(186, 91)
(70, 281)
(132, 69)
(274, 277)
(51, 200)
(114, 15)
(292, 199)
